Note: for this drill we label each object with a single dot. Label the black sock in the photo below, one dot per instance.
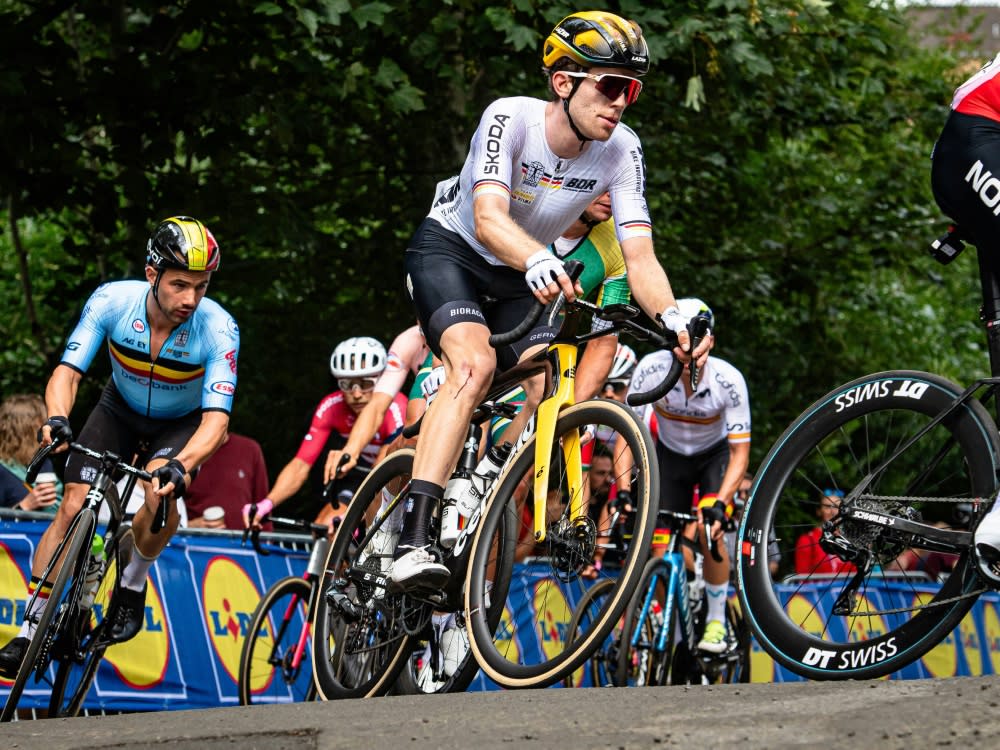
(420, 504)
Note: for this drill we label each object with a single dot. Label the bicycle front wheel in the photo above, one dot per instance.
(62, 601)
(361, 634)
(883, 452)
(637, 655)
(276, 660)
(531, 648)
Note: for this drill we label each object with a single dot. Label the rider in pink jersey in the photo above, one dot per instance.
(357, 364)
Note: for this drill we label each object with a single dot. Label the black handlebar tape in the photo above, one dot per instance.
(638, 399)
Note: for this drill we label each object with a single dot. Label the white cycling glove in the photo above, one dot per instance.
(429, 387)
(673, 320)
(542, 269)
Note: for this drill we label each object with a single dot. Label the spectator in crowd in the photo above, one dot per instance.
(12, 490)
(21, 416)
(810, 558)
(234, 476)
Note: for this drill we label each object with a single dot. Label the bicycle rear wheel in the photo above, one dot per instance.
(60, 608)
(531, 650)
(361, 635)
(601, 663)
(271, 668)
(831, 621)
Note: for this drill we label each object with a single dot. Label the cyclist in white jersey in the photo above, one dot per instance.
(481, 258)
(703, 441)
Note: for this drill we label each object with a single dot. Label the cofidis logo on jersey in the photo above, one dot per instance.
(13, 597)
(140, 663)
(229, 598)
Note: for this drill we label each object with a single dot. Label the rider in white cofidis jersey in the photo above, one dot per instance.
(173, 378)
(703, 442)
(481, 259)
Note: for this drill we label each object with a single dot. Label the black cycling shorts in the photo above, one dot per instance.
(680, 474)
(965, 178)
(450, 283)
(114, 426)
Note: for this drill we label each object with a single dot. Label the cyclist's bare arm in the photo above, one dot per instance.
(594, 366)
(203, 443)
(289, 481)
(60, 395)
(511, 244)
(651, 288)
(362, 433)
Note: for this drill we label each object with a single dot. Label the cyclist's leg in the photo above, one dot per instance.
(711, 465)
(165, 441)
(442, 273)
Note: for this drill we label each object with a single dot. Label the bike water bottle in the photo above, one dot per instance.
(469, 492)
(95, 569)
(459, 485)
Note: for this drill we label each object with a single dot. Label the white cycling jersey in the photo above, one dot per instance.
(719, 409)
(406, 354)
(510, 157)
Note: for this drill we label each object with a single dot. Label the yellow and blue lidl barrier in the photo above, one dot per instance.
(204, 588)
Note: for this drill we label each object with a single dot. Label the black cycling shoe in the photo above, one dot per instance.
(129, 610)
(12, 655)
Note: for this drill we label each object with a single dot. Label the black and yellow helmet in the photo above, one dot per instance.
(596, 38)
(183, 243)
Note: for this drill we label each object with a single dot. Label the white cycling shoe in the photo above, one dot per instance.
(987, 546)
(417, 568)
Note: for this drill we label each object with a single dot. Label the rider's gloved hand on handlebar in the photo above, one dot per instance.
(673, 320)
(546, 276)
(264, 507)
(172, 471)
(713, 511)
(59, 429)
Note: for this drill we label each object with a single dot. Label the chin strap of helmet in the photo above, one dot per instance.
(569, 117)
(156, 289)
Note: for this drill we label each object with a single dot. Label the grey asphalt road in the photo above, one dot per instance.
(958, 712)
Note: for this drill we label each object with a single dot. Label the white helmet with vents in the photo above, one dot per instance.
(358, 357)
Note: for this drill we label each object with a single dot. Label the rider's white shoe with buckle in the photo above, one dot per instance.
(418, 568)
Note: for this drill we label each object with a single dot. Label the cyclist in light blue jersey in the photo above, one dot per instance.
(173, 356)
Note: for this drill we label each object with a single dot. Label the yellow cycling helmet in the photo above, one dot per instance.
(597, 38)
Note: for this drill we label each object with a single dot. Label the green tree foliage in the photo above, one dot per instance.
(786, 142)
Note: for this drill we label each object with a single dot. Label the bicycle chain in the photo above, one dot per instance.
(901, 610)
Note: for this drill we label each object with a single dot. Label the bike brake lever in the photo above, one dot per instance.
(328, 489)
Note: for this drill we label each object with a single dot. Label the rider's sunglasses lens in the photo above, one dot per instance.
(616, 387)
(613, 86)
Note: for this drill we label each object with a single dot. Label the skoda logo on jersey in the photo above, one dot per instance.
(138, 326)
(140, 663)
(229, 598)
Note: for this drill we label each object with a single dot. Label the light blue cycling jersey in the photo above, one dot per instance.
(196, 367)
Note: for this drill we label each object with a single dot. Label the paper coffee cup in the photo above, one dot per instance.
(214, 513)
(46, 477)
